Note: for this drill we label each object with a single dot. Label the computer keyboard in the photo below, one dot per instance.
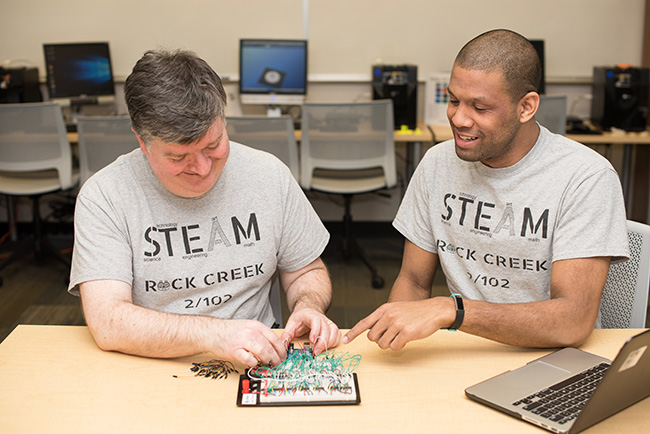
(563, 401)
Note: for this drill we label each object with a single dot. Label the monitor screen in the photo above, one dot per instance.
(78, 70)
(272, 71)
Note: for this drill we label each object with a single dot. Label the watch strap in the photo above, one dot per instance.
(460, 312)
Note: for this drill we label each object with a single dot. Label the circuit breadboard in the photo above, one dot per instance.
(302, 379)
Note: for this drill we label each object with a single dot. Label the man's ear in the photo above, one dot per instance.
(143, 147)
(528, 106)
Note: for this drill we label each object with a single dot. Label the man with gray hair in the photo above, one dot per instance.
(176, 243)
(523, 222)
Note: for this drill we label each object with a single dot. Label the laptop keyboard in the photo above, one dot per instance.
(563, 401)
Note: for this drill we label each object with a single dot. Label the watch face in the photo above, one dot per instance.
(272, 77)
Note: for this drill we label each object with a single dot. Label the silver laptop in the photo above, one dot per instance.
(570, 390)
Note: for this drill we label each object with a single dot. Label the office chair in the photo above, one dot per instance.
(274, 135)
(551, 113)
(624, 302)
(348, 149)
(35, 159)
(101, 140)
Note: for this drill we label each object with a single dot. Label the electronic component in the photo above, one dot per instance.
(302, 379)
(305, 350)
(213, 369)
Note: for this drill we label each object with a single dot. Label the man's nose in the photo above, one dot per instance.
(201, 164)
(458, 116)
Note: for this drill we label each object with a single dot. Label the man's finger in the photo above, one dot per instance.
(361, 326)
(335, 336)
(276, 350)
(245, 357)
(315, 335)
(384, 337)
(290, 333)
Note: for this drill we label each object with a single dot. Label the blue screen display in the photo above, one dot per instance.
(273, 66)
(75, 70)
(96, 70)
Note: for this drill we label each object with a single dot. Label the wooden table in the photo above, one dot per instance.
(414, 140)
(54, 379)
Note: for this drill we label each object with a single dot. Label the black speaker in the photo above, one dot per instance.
(620, 98)
(19, 85)
(400, 84)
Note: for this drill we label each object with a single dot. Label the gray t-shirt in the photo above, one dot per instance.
(497, 232)
(212, 255)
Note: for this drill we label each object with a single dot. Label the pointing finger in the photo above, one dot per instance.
(361, 326)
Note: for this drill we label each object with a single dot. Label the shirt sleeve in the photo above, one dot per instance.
(304, 236)
(413, 219)
(592, 219)
(101, 248)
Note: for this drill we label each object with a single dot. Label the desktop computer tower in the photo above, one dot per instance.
(400, 84)
(19, 85)
(620, 98)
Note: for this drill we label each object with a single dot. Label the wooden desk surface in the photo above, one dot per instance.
(423, 134)
(54, 379)
(443, 132)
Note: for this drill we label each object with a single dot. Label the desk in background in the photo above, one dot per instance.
(414, 142)
(55, 379)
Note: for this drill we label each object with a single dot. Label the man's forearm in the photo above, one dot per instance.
(312, 290)
(308, 288)
(544, 324)
(566, 319)
(405, 289)
(135, 330)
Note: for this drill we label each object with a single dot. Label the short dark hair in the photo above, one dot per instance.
(508, 52)
(174, 96)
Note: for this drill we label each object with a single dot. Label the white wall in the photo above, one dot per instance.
(345, 36)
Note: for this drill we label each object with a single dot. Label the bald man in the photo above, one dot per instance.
(523, 222)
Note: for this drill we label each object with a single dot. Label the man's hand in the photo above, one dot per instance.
(309, 293)
(249, 342)
(395, 324)
(323, 333)
(119, 325)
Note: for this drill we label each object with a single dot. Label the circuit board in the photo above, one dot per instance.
(302, 379)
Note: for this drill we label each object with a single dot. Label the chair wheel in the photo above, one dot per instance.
(377, 282)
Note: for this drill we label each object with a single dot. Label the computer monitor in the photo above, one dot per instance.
(551, 113)
(80, 72)
(539, 47)
(272, 72)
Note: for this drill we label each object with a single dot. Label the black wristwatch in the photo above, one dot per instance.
(460, 312)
